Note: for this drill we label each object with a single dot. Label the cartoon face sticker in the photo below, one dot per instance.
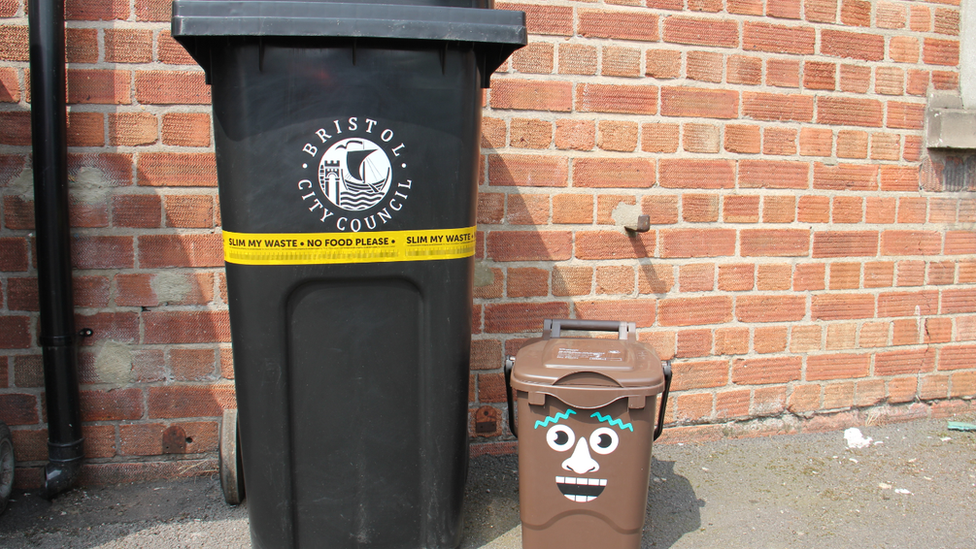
(584, 450)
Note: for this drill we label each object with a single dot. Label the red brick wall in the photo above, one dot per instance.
(793, 268)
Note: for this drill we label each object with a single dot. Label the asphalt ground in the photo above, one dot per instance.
(912, 486)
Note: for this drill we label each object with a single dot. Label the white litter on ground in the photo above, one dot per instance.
(855, 439)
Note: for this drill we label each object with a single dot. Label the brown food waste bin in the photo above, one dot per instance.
(586, 415)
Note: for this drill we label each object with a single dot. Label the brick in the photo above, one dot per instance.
(905, 331)
(956, 357)
(845, 276)
(912, 209)
(81, 45)
(697, 174)
(745, 7)
(130, 129)
(107, 87)
(698, 277)
(713, 6)
(804, 339)
(845, 244)
(531, 134)
(699, 102)
(121, 327)
(528, 209)
(699, 208)
(779, 141)
(920, 18)
(891, 16)
(885, 146)
(661, 138)
(765, 37)
(528, 171)
(663, 64)
(783, 9)
(193, 364)
(731, 341)
(847, 209)
(783, 73)
(732, 404)
(740, 209)
(572, 209)
(613, 98)
(184, 250)
(13, 254)
(837, 366)
(842, 306)
(677, 243)
(19, 409)
(957, 242)
(940, 52)
(770, 308)
(618, 136)
(774, 242)
(656, 279)
(849, 112)
(486, 354)
(701, 32)
(577, 59)
(186, 129)
(702, 138)
(614, 245)
(9, 85)
(640, 311)
(841, 336)
(695, 311)
(189, 211)
(777, 107)
(855, 78)
(779, 209)
(838, 396)
(170, 51)
(577, 135)
(770, 339)
(956, 301)
(911, 273)
(766, 371)
(660, 209)
(79, 10)
(946, 21)
(773, 174)
(536, 58)
(527, 282)
(904, 49)
(855, 13)
(743, 139)
(911, 243)
(512, 318)
(530, 245)
(744, 70)
(945, 80)
(736, 277)
(571, 281)
(853, 45)
(128, 46)
(621, 25)
(879, 274)
(613, 173)
(614, 279)
(136, 211)
(845, 177)
(704, 66)
(699, 374)
(542, 19)
(607, 204)
(113, 405)
(186, 401)
(903, 362)
(818, 75)
(102, 252)
(14, 43)
(534, 95)
(693, 407)
(177, 170)
(816, 142)
(852, 144)
(162, 327)
(171, 88)
(905, 116)
(804, 398)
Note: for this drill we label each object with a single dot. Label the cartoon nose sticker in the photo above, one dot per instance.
(602, 441)
(581, 462)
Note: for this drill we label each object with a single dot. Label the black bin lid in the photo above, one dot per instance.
(495, 34)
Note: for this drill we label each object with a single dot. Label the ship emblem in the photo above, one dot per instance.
(355, 174)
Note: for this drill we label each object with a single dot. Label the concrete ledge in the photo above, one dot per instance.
(948, 124)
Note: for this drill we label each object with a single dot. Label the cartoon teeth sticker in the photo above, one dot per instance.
(602, 441)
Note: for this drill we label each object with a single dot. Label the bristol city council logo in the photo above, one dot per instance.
(353, 181)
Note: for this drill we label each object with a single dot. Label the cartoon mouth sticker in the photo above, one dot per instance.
(602, 441)
(581, 490)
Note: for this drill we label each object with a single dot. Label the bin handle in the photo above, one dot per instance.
(512, 425)
(552, 327)
(666, 365)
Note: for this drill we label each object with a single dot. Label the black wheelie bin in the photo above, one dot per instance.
(347, 146)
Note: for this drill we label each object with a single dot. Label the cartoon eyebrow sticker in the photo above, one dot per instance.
(555, 418)
(615, 422)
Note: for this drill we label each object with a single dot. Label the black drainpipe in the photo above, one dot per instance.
(53, 244)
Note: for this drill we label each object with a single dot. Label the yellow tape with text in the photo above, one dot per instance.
(336, 248)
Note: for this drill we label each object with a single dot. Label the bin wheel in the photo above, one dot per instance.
(6, 466)
(231, 465)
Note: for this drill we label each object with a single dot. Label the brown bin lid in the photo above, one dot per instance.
(588, 372)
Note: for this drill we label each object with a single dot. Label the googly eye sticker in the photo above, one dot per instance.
(604, 440)
(560, 438)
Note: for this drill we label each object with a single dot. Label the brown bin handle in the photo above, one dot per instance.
(552, 328)
(512, 425)
(666, 365)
